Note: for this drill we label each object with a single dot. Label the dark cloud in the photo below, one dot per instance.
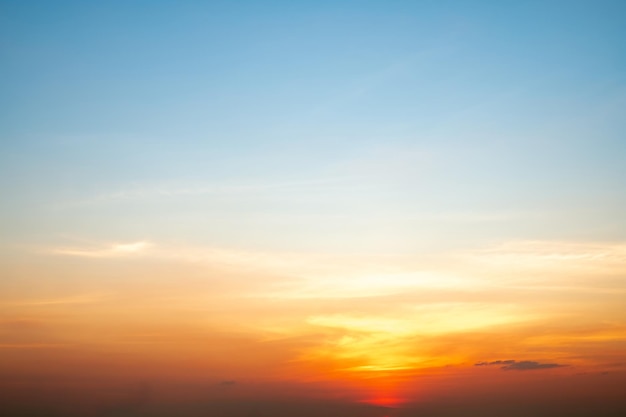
(506, 362)
(530, 365)
(227, 383)
(513, 365)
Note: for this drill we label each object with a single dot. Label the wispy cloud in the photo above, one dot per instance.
(386, 342)
(137, 192)
(499, 362)
(73, 299)
(530, 365)
(321, 275)
(19, 346)
(105, 251)
(545, 253)
(513, 365)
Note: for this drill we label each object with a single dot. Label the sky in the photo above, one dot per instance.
(362, 208)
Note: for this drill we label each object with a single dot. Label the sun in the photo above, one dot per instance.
(385, 401)
(384, 392)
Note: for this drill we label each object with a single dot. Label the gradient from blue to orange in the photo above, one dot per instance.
(257, 205)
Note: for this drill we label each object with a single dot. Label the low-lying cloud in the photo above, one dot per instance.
(513, 365)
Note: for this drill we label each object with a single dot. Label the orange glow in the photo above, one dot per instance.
(211, 327)
(384, 401)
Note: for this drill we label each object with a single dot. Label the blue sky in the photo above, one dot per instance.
(458, 121)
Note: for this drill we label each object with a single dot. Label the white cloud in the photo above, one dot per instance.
(106, 251)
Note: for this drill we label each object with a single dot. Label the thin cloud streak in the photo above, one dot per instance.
(168, 190)
(76, 299)
(18, 346)
(514, 365)
(108, 251)
(318, 275)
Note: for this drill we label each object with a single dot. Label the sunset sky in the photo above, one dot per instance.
(313, 208)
